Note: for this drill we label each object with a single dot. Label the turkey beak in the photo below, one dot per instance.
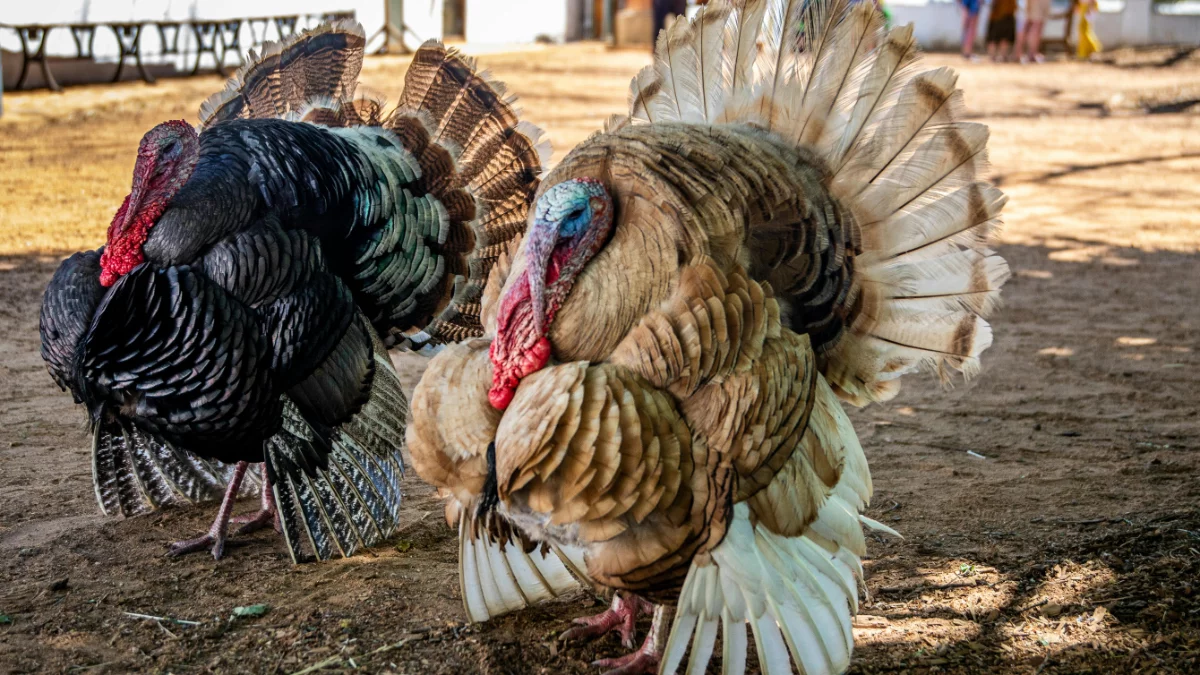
(135, 204)
(129, 210)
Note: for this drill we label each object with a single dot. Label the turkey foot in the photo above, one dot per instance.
(267, 516)
(214, 539)
(645, 660)
(622, 615)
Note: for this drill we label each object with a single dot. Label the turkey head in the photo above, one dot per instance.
(571, 224)
(166, 158)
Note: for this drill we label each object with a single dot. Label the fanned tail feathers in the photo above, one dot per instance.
(485, 163)
(135, 472)
(316, 69)
(826, 76)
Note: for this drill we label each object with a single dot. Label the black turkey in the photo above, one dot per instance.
(259, 269)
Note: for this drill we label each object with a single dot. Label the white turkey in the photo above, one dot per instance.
(791, 217)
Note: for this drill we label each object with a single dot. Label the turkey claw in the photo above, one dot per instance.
(641, 662)
(215, 544)
(622, 616)
(592, 627)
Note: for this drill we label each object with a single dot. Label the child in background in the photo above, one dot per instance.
(1002, 29)
(1030, 44)
(1088, 43)
(970, 27)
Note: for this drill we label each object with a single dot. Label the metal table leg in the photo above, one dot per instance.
(169, 46)
(38, 34)
(129, 37)
(230, 34)
(207, 41)
(85, 38)
(286, 25)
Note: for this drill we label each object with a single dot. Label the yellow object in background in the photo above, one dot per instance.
(1088, 42)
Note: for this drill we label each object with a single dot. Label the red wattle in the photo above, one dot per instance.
(518, 350)
(508, 373)
(124, 249)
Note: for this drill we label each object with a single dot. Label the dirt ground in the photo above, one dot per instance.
(1050, 507)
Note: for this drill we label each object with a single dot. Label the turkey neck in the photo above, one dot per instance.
(301, 173)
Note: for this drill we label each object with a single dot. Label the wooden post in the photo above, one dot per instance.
(609, 11)
(1, 85)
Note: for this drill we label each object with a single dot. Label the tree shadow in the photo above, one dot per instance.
(1119, 596)
(1152, 57)
(1087, 458)
(1000, 179)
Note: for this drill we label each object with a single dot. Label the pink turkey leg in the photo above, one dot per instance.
(645, 660)
(215, 537)
(622, 615)
(266, 516)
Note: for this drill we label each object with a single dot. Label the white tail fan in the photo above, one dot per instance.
(825, 75)
(795, 594)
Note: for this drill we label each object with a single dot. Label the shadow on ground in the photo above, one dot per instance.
(1067, 540)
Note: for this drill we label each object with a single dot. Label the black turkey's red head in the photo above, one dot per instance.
(571, 223)
(166, 158)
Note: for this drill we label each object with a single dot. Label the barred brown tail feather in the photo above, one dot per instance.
(486, 165)
(319, 64)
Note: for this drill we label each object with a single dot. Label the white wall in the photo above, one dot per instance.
(500, 22)
(936, 22)
(424, 19)
(1141, 23)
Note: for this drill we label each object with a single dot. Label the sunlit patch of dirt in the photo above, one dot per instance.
(1049, 506)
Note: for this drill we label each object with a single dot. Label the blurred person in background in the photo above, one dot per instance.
(1002, 29)
(1088, 42)
(664, 9)
(970, 27)
(1029, 44)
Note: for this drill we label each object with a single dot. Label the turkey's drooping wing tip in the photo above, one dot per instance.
(796, 596)
(352, 502)
(68, 305)
(500, 577)
(135, 472)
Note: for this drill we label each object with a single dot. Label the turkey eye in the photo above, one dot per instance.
(171, 149)
(575, 213)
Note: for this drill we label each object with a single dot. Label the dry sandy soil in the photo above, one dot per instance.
(1050, 507)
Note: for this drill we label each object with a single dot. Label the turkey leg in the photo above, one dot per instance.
(645, 660)
(268, 515)
(215, 538)
(621, 615)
